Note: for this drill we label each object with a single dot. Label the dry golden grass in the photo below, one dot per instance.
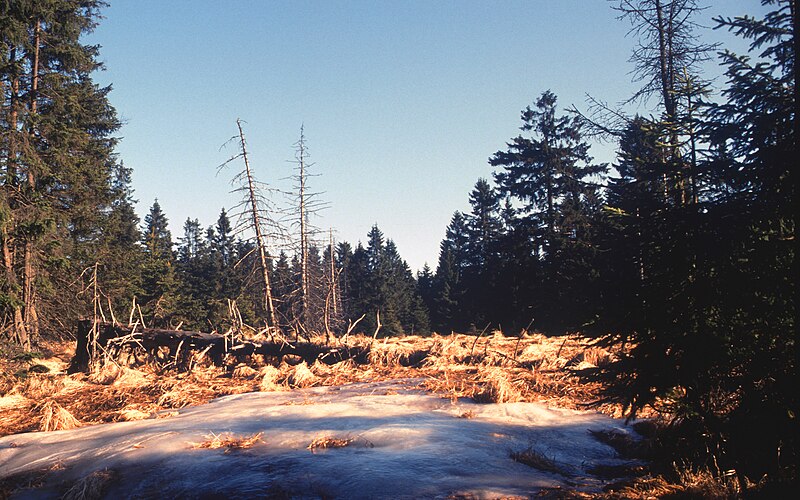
(244, 371)
(229, 442)
(302, 376)
(325, 442)
(488, 368)
(688, 484)
(138, 411)
(183, 395)
(120, 376)
(270, 379)
(14, 400)
(54, 417)
(38, 387)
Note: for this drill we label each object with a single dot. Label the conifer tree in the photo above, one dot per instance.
(483, 293)
(449, 311)
(358, 286)
(158, 272)
(285, 289)
(553, 178)
(55, 152)
(707, 286)
(344, 252)
(425, 280)
(118, 248)
(193, 274)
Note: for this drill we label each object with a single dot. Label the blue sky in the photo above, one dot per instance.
(402, 101)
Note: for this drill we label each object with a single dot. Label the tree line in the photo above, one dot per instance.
(192, 281)
(683, 248)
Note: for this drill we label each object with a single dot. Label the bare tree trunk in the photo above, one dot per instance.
(31, 317)
(665, 60)
(260, 242)
(334, 294)
(303, 232)
(692, 167)
(20, 330)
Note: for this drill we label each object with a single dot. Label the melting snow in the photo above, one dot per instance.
(406, 443)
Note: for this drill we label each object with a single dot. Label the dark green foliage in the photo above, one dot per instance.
(551, 175)
(159, 286)
(118, 250)
(705, 288)
(56, 161)
(448, 307)
(207, 277)
(378, 280)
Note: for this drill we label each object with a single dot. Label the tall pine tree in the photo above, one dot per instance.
(551, 176)
(56, 155)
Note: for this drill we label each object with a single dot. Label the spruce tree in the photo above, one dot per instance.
(449, 311)
(118, 248)
(56, 155)
(193, 277)
(483, 293)
(344, 252)
(551, 175)
(706, 288)
(158, 273)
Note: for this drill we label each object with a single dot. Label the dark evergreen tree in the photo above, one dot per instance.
(483, 225)
(193, 277)
(118, 248)
(224, 242)
(376, 280)
(344, 252)
(483, 293)
(56, 158)
(706, 288)
(358, 287)
(284, 284)
(158, 272)
(425, 287)
(449, 313)
(157, 239)
(551, 174)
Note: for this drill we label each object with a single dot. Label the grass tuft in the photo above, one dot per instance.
(325, 442)
(56, 418)
(229, 442)
(90, 487)
(537, 460)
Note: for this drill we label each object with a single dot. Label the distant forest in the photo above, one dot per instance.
(684, 247)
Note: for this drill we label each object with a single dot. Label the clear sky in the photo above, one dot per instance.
(402, 101)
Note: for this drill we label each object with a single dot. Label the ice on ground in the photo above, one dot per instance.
(405, 443)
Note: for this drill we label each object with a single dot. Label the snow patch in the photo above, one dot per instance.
(402, 443)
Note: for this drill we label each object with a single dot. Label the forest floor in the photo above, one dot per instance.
(36, 394)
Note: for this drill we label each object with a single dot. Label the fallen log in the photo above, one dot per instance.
(216, 346)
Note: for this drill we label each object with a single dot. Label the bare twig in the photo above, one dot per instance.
(472, 351)
(379, 325)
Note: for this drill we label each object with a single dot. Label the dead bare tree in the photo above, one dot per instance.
(332, 295)
(666, 59)
(255, 217)
(307, 204)
(302, 177)
(333, 276)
